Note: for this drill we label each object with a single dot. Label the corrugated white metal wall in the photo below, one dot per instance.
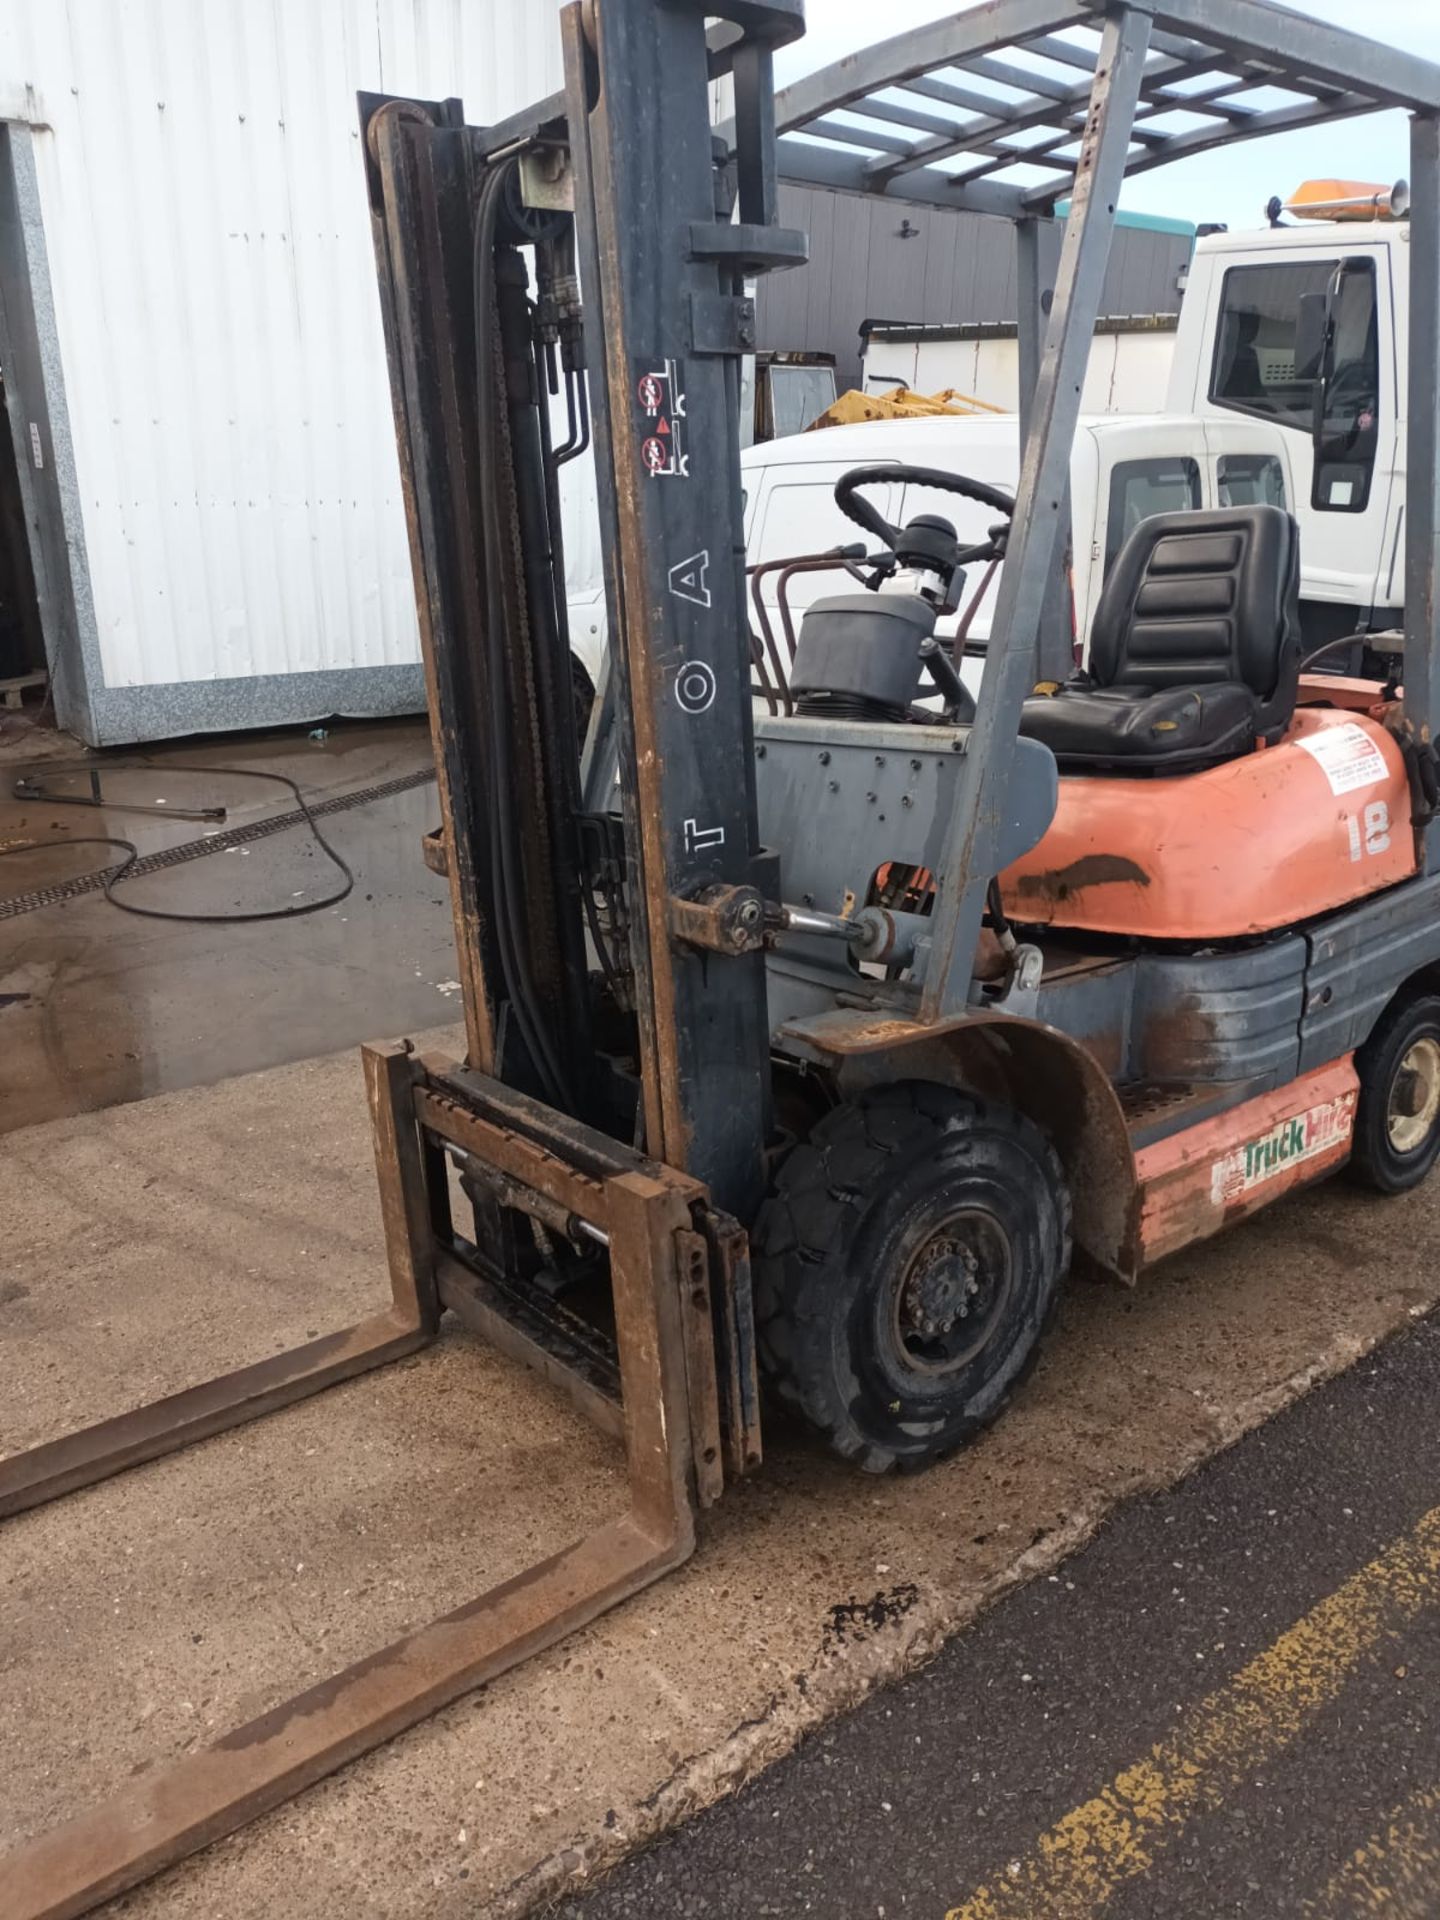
(203, 200)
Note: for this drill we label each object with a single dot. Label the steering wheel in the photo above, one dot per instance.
(874, 522)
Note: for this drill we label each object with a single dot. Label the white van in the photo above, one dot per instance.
(1122, 468)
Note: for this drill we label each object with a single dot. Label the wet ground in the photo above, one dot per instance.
(1225, 1705)
(99, 1006)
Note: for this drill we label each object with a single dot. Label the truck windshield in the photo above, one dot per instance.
(1254, 370)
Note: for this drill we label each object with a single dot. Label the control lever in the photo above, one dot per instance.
(953, 691)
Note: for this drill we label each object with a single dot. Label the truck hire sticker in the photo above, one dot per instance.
(1347, 756)
(1286, 1144)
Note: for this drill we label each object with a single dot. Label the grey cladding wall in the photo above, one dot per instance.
(952, 267)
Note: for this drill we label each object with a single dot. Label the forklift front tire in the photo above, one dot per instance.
(1397, 1122)
(907, 1261)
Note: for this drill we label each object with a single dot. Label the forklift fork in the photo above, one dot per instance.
(663, 1401)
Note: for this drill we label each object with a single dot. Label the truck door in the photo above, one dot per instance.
(1253, 325)
(796, 514)
(790, 511)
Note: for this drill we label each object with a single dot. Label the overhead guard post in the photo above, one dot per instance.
(972, 841)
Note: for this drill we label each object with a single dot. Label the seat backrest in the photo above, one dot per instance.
(1194, 598)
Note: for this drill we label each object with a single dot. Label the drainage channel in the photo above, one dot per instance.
(188, 850)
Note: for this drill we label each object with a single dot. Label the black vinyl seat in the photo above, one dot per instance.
(1194, 649)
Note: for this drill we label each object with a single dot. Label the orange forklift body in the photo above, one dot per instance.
(1266, 841)
(1193, 1183)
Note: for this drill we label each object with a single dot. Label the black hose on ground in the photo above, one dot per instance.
(291, 911)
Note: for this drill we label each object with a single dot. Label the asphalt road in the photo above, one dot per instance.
(1228, 1703)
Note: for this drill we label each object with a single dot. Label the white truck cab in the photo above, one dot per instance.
(1249, 348)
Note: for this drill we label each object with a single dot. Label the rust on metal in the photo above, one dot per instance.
(845, 1031)
(148, 1433)
(1041, 1070)
(778, 675)
(160, 1818)
(724, 919)
(697, 1318)
(1180, 1047)
(589, 1380)
(666, 1133)
(165, 1426)
(406, 1169)
(1092, 870)
(735, 1355)
(527, 1162)
(1193, 1183)
(406, 285)
(435, 852)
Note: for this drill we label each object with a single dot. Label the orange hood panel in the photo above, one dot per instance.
(1263, 842)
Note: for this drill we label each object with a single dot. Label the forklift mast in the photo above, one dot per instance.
(671, 321)
(487, 240)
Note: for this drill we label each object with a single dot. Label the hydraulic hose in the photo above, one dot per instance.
(500, 807)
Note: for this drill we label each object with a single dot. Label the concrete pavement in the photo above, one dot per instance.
(151, 1244)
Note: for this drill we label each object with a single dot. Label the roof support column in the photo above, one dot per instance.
(1054, 657)
(1422, 452)
(972, 840)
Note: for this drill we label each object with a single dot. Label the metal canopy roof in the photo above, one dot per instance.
(984, 110)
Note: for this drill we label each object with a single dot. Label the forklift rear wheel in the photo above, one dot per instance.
(907, 1261)
(1397, 1123)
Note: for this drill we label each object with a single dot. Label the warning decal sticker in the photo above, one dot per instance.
(662, 422)
(1286, 1144)
(1347, 755)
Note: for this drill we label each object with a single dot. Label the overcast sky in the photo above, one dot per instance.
(1231, 185)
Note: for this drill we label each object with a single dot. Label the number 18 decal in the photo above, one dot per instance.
(1374, 835)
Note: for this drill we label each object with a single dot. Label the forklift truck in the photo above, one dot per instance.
(819, 1046)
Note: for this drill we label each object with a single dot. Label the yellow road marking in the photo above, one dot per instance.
(1082, 1862)
(1397, 1870)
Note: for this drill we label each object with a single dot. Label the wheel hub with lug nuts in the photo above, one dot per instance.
(939, 1289)
(952, 1292)
(1415, 1097)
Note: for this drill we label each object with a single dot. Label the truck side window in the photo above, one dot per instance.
(1254, 370)
(1348, 434)
(1250, 480)
(1140, 488)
